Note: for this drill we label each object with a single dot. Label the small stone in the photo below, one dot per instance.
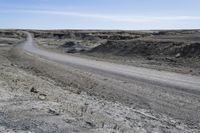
(13, 65)
(90, 124)
(33, 90)
(178, 55)
(53, 112)
(42, 96)
(170, 59)
(127, 118)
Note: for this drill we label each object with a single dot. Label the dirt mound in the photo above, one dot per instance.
(149, 48)
(190, 50)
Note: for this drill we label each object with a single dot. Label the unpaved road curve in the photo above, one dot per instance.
(187, 83)
(176, 95)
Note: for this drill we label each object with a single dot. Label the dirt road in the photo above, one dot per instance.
(186, 83)
(140, 81)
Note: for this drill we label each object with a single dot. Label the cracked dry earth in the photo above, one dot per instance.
(31, 103)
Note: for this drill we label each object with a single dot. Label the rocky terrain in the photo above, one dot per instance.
(37, 98)
(177, 51)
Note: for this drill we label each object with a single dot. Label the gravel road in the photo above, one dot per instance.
(186, 83)
(140, 80)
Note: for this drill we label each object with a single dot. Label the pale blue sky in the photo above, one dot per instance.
(100, 14)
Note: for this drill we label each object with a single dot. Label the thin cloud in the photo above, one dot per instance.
(114, 18)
